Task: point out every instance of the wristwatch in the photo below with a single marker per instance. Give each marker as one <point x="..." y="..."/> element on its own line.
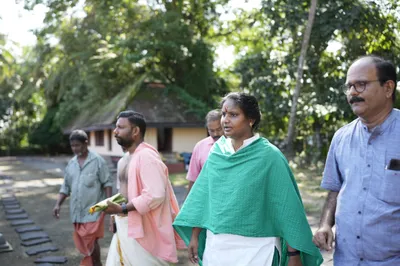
<point x="124" y="209"/>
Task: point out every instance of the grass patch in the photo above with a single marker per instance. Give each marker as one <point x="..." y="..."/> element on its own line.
<point x="312" y="208"/>
<point x="308" y="180"/>
<point x="313" y="196"/>
<point x="178" y="179"/>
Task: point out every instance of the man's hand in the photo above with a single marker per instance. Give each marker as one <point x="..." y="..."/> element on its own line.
<point x="60" y="200"/>
<point x="56" y="211"/>
<point x="113" y="208"/>
<point x="323" y="238"/>
<point x="193" y="250"/>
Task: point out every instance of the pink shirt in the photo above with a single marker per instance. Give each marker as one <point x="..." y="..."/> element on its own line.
<point x="150" y="191"/>
<point x="199" y="157"/>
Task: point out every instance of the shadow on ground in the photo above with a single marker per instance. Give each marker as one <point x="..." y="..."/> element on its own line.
<point x="37" y="191"/>
<point x="36" y="183"/>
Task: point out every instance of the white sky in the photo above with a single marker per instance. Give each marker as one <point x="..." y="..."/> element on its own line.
<point x="226" y="54"/>
<point x="17" y="24"/>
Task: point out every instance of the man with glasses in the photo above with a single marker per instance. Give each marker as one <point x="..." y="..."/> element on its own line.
<point x="362" y="172"/>
<point x="203" y="147"/>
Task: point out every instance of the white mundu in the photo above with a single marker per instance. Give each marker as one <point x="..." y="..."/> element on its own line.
<point x="228" y="249"/>
<point x="127" y="250"/>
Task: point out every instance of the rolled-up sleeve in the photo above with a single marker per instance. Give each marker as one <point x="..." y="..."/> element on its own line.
<point x="153" y="177"/>
<point x="332" y="179"/>
<point x="104" y="174"/>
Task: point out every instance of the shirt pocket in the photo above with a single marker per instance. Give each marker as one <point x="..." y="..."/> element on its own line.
<point x="391" y="182"/>
<point x="89" y="179"/>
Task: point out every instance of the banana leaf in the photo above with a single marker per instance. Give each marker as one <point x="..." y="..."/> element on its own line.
<point x="102" y="205"/>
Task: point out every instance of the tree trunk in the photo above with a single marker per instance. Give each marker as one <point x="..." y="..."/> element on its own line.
<point x="289" y="147"/>
<point x="318" y="143"/>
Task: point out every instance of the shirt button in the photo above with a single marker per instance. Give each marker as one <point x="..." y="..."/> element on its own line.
<point x="369" y="165"/>
<point x="364" y="188"/>
<point x="359" y="212"/>
<point x="361" y="259"/>
<point x="358" y="237"/>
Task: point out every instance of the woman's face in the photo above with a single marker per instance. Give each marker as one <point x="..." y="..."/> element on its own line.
<point x="234" y="122"/>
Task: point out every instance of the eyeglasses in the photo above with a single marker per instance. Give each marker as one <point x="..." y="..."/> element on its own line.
<point x="359" y="86"/>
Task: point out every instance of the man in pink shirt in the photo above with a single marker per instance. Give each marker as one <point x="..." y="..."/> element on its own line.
<point x="203" y="147"/>
<point x="144" y="234"/>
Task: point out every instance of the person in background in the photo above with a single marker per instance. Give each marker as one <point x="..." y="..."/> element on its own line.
<point x="203" y="147"/>
<point x="87" y="180"/>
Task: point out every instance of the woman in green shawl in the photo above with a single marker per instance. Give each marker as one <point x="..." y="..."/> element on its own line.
<point x="245" y="207"/>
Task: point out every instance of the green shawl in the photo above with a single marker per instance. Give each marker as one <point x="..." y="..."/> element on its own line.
<point x="250" y="193"/>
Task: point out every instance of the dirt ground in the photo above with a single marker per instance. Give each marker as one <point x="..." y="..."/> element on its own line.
<point x="36" y="188"/>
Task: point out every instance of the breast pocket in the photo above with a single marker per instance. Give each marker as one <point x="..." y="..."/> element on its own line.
<point x="390" y="187"/>
<point x="89" y="179"/>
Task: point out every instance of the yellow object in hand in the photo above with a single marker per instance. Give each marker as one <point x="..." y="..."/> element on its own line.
<point x="102" y="205"/>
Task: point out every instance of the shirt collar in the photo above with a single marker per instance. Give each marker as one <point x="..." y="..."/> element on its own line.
<point x="382" y="127"/>
<point x="248" y="141"/>
<point x="211" y="141"/>
<point x="88" y="158"/>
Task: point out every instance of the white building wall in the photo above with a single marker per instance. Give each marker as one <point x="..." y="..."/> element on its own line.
<point x="116" y="150"/>
<point x="151" y="137"/>
<point x="184" y="139"/>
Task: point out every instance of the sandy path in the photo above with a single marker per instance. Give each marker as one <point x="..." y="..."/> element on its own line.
<point x="36" y="183"/>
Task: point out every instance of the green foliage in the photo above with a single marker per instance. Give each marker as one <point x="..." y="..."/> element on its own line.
<point x="194" y="105"/>
<point x="114" y="44"/>
<point x="268" y="67"/>
<point x="47" y="134"/>
<point x="17" y="117"/>
<point x="81" y="62"/>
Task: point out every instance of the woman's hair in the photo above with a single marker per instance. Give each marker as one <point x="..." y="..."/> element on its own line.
<point x="247" y="103"/>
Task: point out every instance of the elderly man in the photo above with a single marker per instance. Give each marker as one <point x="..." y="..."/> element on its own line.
<point x="203" y="147"/>
<point x="362" y="172"/>
<point x="87" y="179"/>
